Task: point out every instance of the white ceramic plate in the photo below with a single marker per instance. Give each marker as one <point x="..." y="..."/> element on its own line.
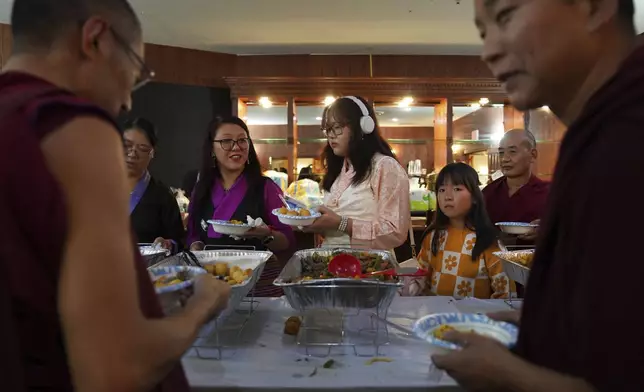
<point x="225" y="227"/>
<point x="517" y="228"/>
<point x="424" y="328"/>
<point x="298" y="221"/>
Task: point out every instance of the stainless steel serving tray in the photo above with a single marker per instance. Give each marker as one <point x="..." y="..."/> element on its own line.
<point x="515" y="271"/>
<point x="335" y="292"/>
<point x="152" y="255"/>
<point x="255" y="260"/>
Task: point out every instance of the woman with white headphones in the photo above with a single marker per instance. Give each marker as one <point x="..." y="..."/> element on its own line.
<point x="367" y="191"/>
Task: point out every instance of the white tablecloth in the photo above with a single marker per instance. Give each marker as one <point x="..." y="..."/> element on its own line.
<point x="263" y="358"/>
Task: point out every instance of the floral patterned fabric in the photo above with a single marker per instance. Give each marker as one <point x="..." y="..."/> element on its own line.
<point x="454" y="273"/>
<point x="379" y="206"/>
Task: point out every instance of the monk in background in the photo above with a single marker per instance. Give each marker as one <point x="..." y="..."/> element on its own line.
<point x="518" y="196"/>
<point x="581" y="320"/>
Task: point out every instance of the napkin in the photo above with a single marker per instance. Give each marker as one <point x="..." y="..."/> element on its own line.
<point x="252" y="223"/>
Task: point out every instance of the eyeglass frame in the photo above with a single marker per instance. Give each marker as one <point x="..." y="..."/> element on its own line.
<point x="146" y="74"/>
<point x="235" y="142"/>
<point x="136" y="148"/>
<point x="330" y="130"/>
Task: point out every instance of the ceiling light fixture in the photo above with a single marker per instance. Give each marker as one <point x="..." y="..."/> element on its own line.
<point x="484" y="101"/>
<point x="329" y="100"/>
<point x="394" y="119"/>
<point x="318" y="118"/>
<point x="405" y="102"/>
<point x="265" y="102"/>
<point x="475" y="105"/>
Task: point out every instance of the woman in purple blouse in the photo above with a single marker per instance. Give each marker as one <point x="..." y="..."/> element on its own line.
<point x="231" y="187"/>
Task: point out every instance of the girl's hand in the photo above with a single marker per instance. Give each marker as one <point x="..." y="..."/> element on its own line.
<point x="165" y="244"/>
<point x="329" y="221"/>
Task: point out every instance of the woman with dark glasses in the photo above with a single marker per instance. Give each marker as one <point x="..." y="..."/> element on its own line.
<point x="231" y="186"/>
<point x="154" y="211"/>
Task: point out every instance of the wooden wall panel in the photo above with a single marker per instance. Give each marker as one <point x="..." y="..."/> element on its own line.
<point x="486" y="120"/>
<point x="430" y="66"/>
<point x="6" y="43"/>
<point x="450" y="74"/>
<point x="512" y="118"/>
<point x="187" y="66"/>
<point x="302" y="66"/>
<point x="549" y="131"/>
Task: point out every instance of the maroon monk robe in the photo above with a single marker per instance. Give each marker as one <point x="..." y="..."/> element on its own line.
<point x="525" y="205"/>
<point x="33" y="220"/>
<point x="583" y="310"/>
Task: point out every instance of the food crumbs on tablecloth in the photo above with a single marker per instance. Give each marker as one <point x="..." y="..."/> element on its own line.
<point x="378" y="359"/>
<point x="329" y="364"/>
<point x="314" y="372"/>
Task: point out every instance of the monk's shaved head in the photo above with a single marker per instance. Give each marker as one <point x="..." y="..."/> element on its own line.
<point x="519" y="137"/>
<point x="37" y="24"/>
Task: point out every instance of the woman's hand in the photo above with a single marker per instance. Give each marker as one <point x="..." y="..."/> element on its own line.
<point x="261" y="231"/>
<point x="329" y="221"/>
<point x="197" y="246"/>
<point x="165" y="244"/>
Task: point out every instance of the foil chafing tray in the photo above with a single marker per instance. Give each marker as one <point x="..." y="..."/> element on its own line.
<point x="152" y="255"/>
<point x="346" y="293"/>
<point x="515" y="271"/>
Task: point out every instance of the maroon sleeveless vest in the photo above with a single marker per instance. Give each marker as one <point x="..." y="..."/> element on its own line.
<point x="33" y="226"/>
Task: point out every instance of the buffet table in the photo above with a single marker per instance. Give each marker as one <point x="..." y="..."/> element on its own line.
<point x="263" y="358"/>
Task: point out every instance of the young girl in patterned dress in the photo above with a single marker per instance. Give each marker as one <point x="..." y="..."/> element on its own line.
<point x="457" y="248"/>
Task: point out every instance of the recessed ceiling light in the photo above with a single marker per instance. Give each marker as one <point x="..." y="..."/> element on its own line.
<point x="319" y="118"/>
<point x="329" y="100"/>
<point x="394" y="119"/>
<point x="484" y="101"/>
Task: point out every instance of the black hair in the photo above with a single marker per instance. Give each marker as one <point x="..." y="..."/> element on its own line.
<point x="362" y="146"/>
<point x="210" y="170"/>
<point x="477" y="218"/>
<point x="306" y="173"/>
<point x="39" y="23"/>
<point x="145" y="126"/>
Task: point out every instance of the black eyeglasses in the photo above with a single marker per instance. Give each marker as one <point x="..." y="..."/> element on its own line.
<point x="145" y="73"/>
<point x="335" y="130"/>
<point x="142" y="148"/>
<point x="229" y="144"/>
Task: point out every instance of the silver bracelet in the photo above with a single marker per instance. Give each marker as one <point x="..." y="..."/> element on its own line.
<point x="344" y="221"/>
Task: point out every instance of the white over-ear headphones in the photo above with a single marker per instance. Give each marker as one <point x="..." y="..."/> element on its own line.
<point x="366" y="122"/>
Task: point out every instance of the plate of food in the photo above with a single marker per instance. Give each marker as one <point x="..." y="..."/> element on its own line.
<point x="517" y="228"/>
<point x="298" y="217"/>
<point x="173" y="278"/>
<point x="432" y="328"/>
<point x="230" y="227"/>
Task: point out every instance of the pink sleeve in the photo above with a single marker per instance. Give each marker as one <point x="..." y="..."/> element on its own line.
<point x="272" y="201"/>
<point x="391" y="187"/>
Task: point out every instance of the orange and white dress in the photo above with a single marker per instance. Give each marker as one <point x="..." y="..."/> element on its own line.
<point x="454" y="273"/>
